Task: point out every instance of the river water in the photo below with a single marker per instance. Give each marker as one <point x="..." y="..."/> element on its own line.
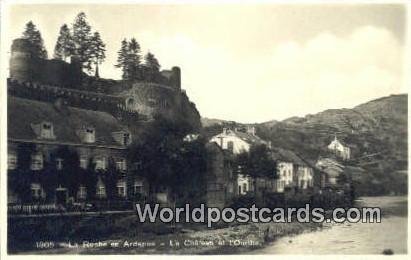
<point x="354" y="238"/>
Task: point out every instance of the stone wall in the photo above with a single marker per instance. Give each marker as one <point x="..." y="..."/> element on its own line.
<point x="46" y="80"/>
<point x="76" y="98"/>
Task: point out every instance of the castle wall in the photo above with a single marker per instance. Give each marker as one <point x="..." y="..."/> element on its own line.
<point x="46" y="80"/>
<point x="24" y="67"/>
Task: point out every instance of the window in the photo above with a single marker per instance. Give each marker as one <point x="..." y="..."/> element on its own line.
<point x="59" y="164"/>
<point x="83" y="162"/>
<point x="82" y="192"/>
<point x="101" y="163"/>
<point x="137" y="165"/>
<point x="138" y="187"/>
<point x="121" y="189"/>
<point x="244" y="187"/>
<point x="230" y="146"/>
<point x="89" y="136"/>
<point x="126" y="139"/>
<point x="36" y="191"/>
<point x="121" y="165"/>
<point x="36" y="162"/>
<point x="239" y="189"/>
<point x="47" y="130"/>
<point x="101" y="191"/>
<point x="12" y="161"/>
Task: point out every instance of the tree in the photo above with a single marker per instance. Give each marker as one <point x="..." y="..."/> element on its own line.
<point x="165" y="160"/>
<point x="82" y="40"/>
<point x="133" y="59"/>
<point x="257" y="162"/>
<point x="152" y="66"/>
<point x="98" y="49"/>
<point x="64" y="46"/>
<point x="129" y="60"/>
<point x="34" y="37"/>
<point x="122" y="59"/>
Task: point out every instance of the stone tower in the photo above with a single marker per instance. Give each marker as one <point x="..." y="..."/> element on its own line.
<point x="21" y="61"/>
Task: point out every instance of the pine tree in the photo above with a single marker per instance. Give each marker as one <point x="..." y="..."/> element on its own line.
<point x="98" y="49"/>
<point x="151" y="62"/>
<point x="34" y="37"/>
<point x="152" y="67"/>
<point x="82" y="39"/>
<point x="64" y="46"/>
<point x="133" y="60"/>
<point x="122" y="59"/>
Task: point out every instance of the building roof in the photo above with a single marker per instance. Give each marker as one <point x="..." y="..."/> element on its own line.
<point x="245" y="136"/>
<point x="330" y="166"/>
<point x="287" y="156"/>
<point x="23" y="113"/>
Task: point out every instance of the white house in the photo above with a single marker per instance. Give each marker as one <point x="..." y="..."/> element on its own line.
<point x="305" y="177"/>
<point x="237" y="141"/>
<point x="292" y="171"/>
<point x="284" y="175"/>
<point x="341" y="150"/>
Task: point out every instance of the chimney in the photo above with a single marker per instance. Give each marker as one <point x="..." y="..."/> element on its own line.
<point x="225" y="130"/>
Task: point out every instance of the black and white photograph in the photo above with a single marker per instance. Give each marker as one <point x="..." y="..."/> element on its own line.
<point x="204" y="128"/>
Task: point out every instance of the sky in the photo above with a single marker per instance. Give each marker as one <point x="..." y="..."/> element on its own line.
<point x="250" y="62"/>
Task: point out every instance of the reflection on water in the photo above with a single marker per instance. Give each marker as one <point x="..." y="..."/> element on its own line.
<point x="355" y="238"/>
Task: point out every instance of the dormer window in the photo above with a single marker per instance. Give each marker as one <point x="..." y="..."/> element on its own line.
<point x="47" y="130"/>
<point x="87" y="134"/>
<point x="90" y="136"/>
<point x="44" y="130"/>
<point x="122" y="137"/>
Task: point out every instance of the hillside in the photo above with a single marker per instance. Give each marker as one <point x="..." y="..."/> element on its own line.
<point x="206" y="122"/>
<point x="377" y="127"/>
<point x="376" y="131"/>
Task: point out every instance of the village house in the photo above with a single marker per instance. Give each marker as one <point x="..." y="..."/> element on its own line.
<point x="292" y="171"/>
<point x="98" y="139"/>
<point x="332" y="168"/>
<point x="220" y="182"/>
<point x="340" y="149"/>
<point x="285" y="169"/>
<point x="237" y="141"/>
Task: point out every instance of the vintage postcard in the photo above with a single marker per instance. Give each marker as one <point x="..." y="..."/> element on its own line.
<point x="233" y="128"/>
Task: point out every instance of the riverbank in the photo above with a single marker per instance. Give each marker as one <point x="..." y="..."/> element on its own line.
<point x="353" y="238"/>
<point x="196" y="239"/>
<point x="126" y="236"/>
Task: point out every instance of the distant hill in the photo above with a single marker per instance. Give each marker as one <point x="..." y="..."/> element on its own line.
<point x="378" y="126"/>
<point x="206" y="122"/>
<point x="376" y="131"/>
